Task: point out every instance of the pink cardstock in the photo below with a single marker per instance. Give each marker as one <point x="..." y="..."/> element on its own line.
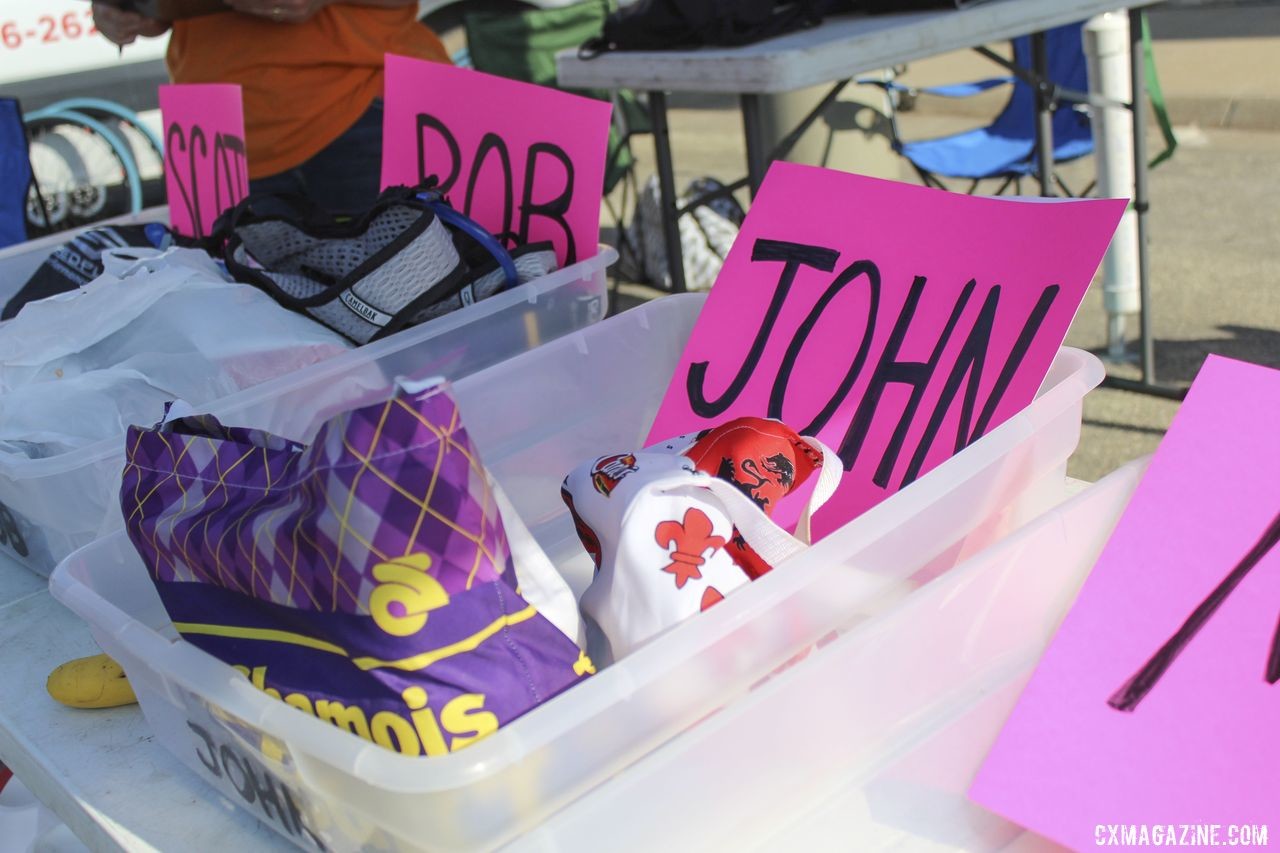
<point x="205" y="167"/>
<point x="894" y="322"/>
<point x="1198" y="745"/>
<point x="522" y="160"/>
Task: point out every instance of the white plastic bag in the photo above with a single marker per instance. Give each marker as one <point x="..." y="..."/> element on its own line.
<point x="539" y="582"/>
<point x="156" y="326"/>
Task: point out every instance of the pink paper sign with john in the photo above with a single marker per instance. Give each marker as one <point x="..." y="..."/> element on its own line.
<point x="1154" y="709"/>
<point x="206" y="170"/>
<point x="894" y="322"/>
<point x="525" y="161"/>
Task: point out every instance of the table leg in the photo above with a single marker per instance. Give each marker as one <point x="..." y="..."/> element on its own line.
<point x="1138" y="105"/>
<point x="1137" y="72"/>
<point x="1044" y="113"/>
<point x="757" y="157"/>
<point x="667" y="186"/>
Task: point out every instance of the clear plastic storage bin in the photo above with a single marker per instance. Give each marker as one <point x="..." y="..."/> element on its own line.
<point x="51" y="506"/>
<point x="533" y="418"/>
<point x="870" y="742"/>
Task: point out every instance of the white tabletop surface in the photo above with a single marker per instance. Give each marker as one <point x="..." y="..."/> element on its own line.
<point x="99" y="770"/>
<point x="836" y="50"/>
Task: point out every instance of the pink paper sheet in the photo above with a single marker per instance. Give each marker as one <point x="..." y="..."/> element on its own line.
<point x="521" y="159"/>
<point x="1200" y="747"/>
<point x="1014" y="271"/>
<point x="205" y="168"/>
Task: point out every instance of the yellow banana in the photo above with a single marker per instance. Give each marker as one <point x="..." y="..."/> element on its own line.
<point x="92" y="682"/>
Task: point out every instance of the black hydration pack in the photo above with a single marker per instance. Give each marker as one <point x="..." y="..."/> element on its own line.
<point x="678" y="24"/>
<point x="670" y="24"/>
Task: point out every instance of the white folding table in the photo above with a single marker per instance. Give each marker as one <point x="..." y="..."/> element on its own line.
<point x="100" y="771"/>
<point x="845" y="46"/>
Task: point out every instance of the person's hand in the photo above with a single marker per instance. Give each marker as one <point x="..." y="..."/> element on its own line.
<point x="280" y="11"/>
<point x="121" y="27"/>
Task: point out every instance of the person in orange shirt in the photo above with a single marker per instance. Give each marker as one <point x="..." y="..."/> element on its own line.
<point x="311" y="72"/>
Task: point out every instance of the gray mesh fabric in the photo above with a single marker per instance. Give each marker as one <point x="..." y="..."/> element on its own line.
<point x="288" y="256"/>
<point x="283" y="247"/>
<point x="298" y="286"/>
<point x="343" y="320"/>
<point x="304" y="266"/>
<point x="529" y="266"/>
<point x="411" y="272"/>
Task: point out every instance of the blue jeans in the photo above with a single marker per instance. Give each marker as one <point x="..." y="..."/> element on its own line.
<point x="344" y="177"/>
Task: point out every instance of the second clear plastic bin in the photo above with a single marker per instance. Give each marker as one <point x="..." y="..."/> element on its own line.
<point x="872" y="740"/>
<point x="532" y="419"/>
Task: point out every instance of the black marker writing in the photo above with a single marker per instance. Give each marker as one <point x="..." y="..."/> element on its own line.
<point x="444" y="184"/>
<point x="275" y="799"/>
<point x="856" y="270"/>
<point x="889" y="369"/>
<point x="493" y="158"/>
<point x="492" y="143"/>
<point x="972" y="358"/>
<point x="186" y="153"/>
<point x="175" y="143"/>
<point x="553" y="208"/>
<point x="1140" y="684"/>
<point x="792" y="256"/>
<point x="229" y="171"/>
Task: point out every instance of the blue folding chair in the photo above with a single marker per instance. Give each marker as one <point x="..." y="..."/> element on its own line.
<point x="1006" y="148"/>
<point x="15" y="174"/>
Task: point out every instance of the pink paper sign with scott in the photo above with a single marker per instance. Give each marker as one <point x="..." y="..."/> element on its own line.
<point x="206" y="169"/>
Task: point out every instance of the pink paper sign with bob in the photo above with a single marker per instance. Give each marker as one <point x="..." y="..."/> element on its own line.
<point x="206" y="169"/>
<point x="896" y="323"/>
<point x="527" y="162"/>
<point x="1154" y="709"/>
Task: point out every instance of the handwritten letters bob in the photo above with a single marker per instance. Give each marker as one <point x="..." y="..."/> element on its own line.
<point x="527" y="162"/>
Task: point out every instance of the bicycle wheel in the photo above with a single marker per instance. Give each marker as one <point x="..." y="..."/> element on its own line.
<point x="83" y="171"/>
<point x="143" y="142"/>
<point x="146" y="153"/>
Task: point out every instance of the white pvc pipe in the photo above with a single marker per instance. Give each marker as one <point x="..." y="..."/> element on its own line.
<point x="1106" y="44"/>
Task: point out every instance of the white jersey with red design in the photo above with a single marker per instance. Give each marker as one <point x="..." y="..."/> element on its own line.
<point x="658" y="540"/>
<point x="668" y="527"/>
<point x="763" y="458"/>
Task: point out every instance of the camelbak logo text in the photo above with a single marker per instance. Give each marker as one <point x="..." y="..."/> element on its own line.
<point x="364" y="309"/>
